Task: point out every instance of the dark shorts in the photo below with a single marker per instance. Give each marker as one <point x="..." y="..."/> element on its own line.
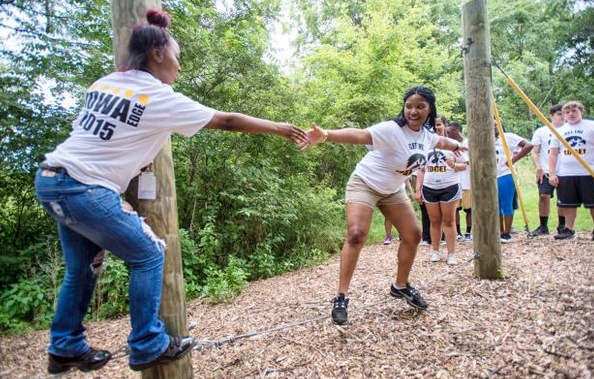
<point x="442" y="195"/>
<point x="545" y="188"/>
<point x="574" y="191"/>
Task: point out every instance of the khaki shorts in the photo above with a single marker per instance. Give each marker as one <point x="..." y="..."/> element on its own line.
<point x="466" y="201"/>
<point x="357" y="191"/>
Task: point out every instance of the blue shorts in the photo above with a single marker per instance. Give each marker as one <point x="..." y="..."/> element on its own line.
<point x="506" y="191"/>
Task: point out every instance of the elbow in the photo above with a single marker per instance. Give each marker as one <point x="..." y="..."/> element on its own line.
<point x="225" y="121"/>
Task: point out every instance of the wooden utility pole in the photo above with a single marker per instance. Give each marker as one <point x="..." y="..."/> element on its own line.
<point x="477" y="82"/>
<point x="161" y="213"/>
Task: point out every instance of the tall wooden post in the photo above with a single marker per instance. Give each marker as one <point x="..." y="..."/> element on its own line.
<point x="477" y="81"/>
<point x="161" y="214"/>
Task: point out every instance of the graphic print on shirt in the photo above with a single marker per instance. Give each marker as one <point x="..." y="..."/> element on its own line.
<point x="413" y="163"/>
<point x="578" y="144"/>
<point x="436" y="161"/>
<point x="115" y="105"/>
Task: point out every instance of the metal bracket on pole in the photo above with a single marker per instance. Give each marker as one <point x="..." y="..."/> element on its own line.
<point x="466" y="48"/>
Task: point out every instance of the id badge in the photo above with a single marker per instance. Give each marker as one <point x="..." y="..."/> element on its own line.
<point x="147" y="186"/>
<point x="438" y="179"/>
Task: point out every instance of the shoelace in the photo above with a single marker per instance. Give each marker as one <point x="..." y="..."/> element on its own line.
<point x="339" y="302"/>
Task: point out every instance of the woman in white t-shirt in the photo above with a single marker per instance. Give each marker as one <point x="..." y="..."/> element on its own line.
<point x="400" y="146"/>
<point x="126" y="118"/>
<point x="438" y="187"/>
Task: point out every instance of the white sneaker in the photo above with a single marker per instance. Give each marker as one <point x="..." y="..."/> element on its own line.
<point x="435" y="256"/>
<point x="452" y="260"/>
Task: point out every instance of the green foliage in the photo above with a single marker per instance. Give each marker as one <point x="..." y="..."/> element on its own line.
<point x="111" y="291"/>
<point x="222" y="285"/>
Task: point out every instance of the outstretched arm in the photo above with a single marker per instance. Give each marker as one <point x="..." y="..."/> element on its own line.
<point x="449" y="144"/>
<point x="347" y="135"/>
<point x="526" y="148"/>
<point x="237" y="122"/>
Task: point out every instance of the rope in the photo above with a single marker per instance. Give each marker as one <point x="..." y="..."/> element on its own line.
<point x="204" y="344"/>
<point x="124" y="351"/>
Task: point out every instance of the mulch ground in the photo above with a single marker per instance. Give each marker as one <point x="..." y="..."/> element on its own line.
<point x="538" y="322"/>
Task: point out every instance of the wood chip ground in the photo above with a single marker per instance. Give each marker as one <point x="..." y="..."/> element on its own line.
<point x="538" y="322"/>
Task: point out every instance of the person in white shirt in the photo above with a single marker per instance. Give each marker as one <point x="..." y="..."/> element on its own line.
<point x="541" y="140"/>
<point x="438" y="187"/>
<point x="574" y="184"/>
<point x="505" y="182"/>
<point x="400" y="146"/>
<point x="126" y="118"/>
<point x="455" y="132"/>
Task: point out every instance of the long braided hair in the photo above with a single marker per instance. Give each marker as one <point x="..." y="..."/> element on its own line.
<point x="428" y="95"/>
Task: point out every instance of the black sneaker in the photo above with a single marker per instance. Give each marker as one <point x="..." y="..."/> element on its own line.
<point x="339" y="310"/>
<point x="410" y="294"/>
<point x="540" y="231"/>
<point x="91" y="360"/>
<point x="565" y="234"/>
<point x="560" y="228"/>
<point x="505" y="238"/>
<point x="592" y="234"/>
<point x="178" y="348"/>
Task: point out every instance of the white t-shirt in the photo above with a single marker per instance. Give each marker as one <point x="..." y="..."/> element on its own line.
<point x="513" y="142"/>
<point x="581" y="138"/>
<point x="438" y="174"/>
<point x="397" y="152"/>
<point x="542" y="137"/>
<point x="465" y="175"/>
<point x="125" y="120"/>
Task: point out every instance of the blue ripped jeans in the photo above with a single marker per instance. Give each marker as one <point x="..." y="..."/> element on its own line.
<point x="90" y="218"/>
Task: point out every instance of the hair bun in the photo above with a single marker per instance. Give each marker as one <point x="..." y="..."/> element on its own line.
<point x="158" y="18"/>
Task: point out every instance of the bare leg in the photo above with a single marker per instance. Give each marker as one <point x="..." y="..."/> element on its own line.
<point x="404" y="218"/>
<point x="507" y="224"/>
<point x="544" y="205"/>
<point x="570" y="216"/>
<point x="435" y="217"/>
<point x="448" y="216"/>
<point x="358" y="223"/>
<point x="388" y="227"/>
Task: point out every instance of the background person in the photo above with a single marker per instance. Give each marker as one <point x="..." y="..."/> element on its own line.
<point x="79" y="185"/>
<point x="455" y="132"/>
<point x="505" y="182"/>
<point x="574" y="184"/>
<point x="541" y="140"/>
<point x="439" y="185"/>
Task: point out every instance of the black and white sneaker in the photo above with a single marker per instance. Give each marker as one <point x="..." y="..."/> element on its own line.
<point x="565" y="234"/>
<point x="339" y="310"/>
<point x="410" y="294"/>
<point x="505" y="238"/>
<point x="540" y="231"/>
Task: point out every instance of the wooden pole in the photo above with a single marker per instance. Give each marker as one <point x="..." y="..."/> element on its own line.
<point x="477" y="81"/>
<point x="161" y="213"/>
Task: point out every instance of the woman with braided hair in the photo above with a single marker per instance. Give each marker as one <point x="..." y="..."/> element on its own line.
<point x="400" y="146"/>
<point x="126" y="118"/>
